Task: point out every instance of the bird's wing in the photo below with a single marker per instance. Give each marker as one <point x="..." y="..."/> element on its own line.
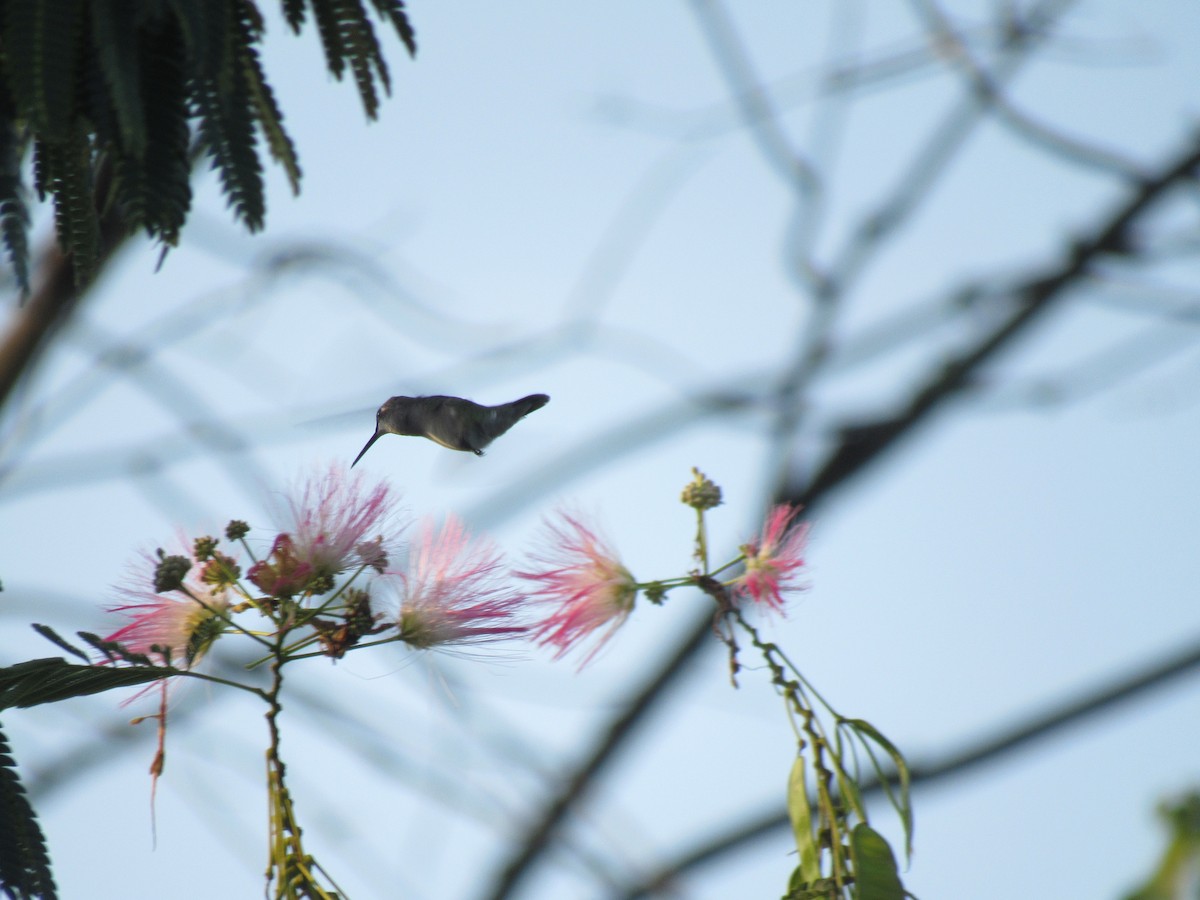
<point x="450" y="423"/>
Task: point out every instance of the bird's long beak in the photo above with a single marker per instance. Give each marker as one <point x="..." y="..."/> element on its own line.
<point x="373" y="439"/>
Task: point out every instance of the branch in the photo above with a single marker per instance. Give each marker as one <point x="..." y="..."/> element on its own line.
<point x="863" y="444"/>
<point x="540" y="836"/>
<point x="56" y="298"/>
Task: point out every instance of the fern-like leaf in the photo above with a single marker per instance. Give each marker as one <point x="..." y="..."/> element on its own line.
<point x="393" y="11"/>
<point x="24" y="863"/>
<point x="39" y="40"/>
<point x="326" y="13"/>
<point x="270" y="119"/>
<point x="204" y="28"/>
<point x="293" y="11"/>
<point x="349" y="38"/>
<point x="51" y="679"/>
<point x="363" y="52"/>
<point x="221" y="99"/>
<point x="154" y="189"/>
<point x="114" y="41"/>
<point x="43" y="170"/>
<point x="74" y="202"/>
<point x="14" y="213"/>
<point x="58" y="640"/>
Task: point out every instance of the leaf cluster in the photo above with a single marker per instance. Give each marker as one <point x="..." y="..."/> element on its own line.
<point x="24" y="861"/>
<point x="113" y="99"/>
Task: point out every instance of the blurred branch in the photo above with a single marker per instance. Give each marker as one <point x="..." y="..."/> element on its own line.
<point x="1123" y="360"/>
<point x="755" y="104"/>
<point x="541" y="835"/>
<point x="861" y="447"/>
<point x="1035" y="727"/>
<point x="990" y="91"/>
<point x="931" y="162"/>
<point x="56" y="298"/>
<point x="863" y="444"/>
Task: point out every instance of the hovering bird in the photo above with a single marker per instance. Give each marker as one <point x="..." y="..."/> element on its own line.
<point x="450" y="421"/>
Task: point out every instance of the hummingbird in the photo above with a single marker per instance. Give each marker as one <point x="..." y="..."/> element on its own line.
<point x="450" y="421"/>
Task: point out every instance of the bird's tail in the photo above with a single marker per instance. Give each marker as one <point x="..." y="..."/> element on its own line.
<point x="498" y="419"/>
<point x="519" y="409"/>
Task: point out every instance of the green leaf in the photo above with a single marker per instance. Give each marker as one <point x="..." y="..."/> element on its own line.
<point x="14" y="213"/>
<point x="348" y="37"/>
<point x="293" y="11"/>
<point x="114" y="38"/>
<point x="75" y="203"/>
<point x="903" y="803"/>
<point x="39" y="43"/>
<point x="326" y="13"/>
<point x="800" y="812"/>
<point x="24" y="862"/>
<point x="847" y="783"/>
<point x="875" y="873"/>
<point x="154" y="189"/>
<point x="270" y="119"/>
<point x="362" y="49"/>
<point x="222" y="98"/>
<point x="393" y="10"/>
<point x="52" y="679"/>
<point x="54" y="637"/>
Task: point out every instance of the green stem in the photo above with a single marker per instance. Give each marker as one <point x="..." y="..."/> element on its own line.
<point x="388" y="640"/>
<point x="258" y="692"/>
<point x="289" y="868"/>
<point x="701" y="541"/>
<point x="222" y="614"/>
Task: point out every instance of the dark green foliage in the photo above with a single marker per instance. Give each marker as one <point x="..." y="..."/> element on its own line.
<point x="225" y="111"/>
<point x="152" y="189"/>
<point x="24" y="863"/>
<point x="394" y="11"/>
<point x="14" y="215"/>
<point x="120" y="88"/>
<point x="52" y="679"/>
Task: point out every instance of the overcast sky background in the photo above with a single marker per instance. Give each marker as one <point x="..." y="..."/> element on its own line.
<point x="560" y="198"/>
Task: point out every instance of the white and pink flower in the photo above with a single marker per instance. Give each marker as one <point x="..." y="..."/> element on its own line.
<point x="455" y="591"/>
<point x="182" y="623"/>
<point x="330" y="514"/>
<point x="584" y="580"/>
<point x="773" y="559"/>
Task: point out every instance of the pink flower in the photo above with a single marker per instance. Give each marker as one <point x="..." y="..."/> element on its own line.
<point x="185" y="624"/>
<point x="281" y="574"/>
<point x="454" y="591"/>
<point x="329" y="515"/>
<point x="773" y="559"/>
<point x="588" y="584"/>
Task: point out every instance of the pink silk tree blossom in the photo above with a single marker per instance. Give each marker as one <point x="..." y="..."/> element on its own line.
<point x="330" y="514"/>
<point x="455" y="591"/>
<point x="773" y="559"/>
<point x="589" y="588"/>
<point x="184" y="622"/>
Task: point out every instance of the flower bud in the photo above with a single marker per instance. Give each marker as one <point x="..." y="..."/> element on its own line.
<point x="168" y="574"/>
<point x="236" y="530"/>
<point x="204" y="548"/>
<point x="701" y="493"/>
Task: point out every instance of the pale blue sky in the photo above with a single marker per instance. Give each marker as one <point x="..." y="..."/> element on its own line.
<point x="546" y="159"/>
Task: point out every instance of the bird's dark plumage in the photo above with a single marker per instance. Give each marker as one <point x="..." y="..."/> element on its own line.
<point x="450" y="421"/>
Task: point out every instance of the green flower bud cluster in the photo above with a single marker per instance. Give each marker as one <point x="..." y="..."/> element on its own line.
<point x="701" y="493"/>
